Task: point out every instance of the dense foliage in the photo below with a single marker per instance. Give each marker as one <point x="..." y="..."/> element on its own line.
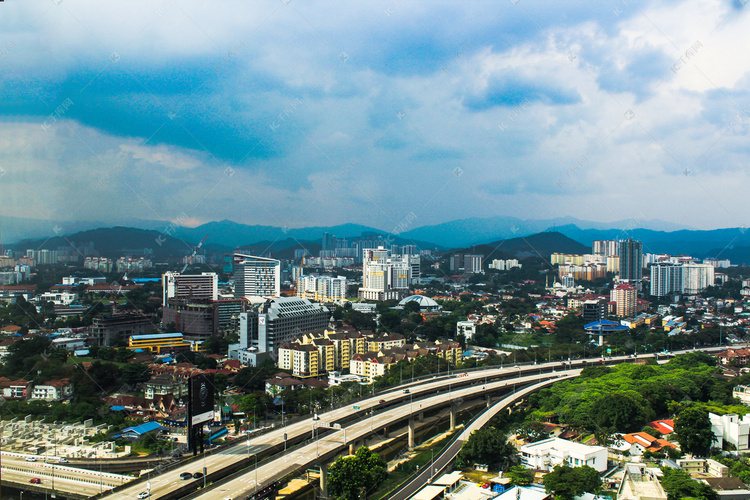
<point x="679" y="485"/>
<point x="355" y="476"/>
<point x="488" y="446"/>
<point x="623" y="398"/>
<point x="568" y="482"/>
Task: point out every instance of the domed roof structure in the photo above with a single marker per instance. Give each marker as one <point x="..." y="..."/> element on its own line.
<point x="425" y="303"/>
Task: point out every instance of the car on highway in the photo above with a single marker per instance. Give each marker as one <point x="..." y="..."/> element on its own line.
<point x="143" y="494"/>
<point x="197" y="475"/>
<point x="406" y="391"/>
<point x="185" y="476"/>
<point x="63" y="461"/>
<point x="31" y="459"/>
<point x="35" y="480"/>
<point x="381" y="401"/>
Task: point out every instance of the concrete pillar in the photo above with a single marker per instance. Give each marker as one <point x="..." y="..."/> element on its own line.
<point x="489" y="401"/>
<point x="453" y="417"/>
<point x="352" y="448"/>
<point x="412" y="444"/>
<point x="385" y="432"/>
<point x="421" y="416"/>
<point x="323" y="482"/>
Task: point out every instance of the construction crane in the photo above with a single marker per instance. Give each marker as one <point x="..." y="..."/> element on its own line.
<point x="192" y="255"/>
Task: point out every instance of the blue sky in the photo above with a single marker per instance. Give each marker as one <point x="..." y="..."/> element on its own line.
<point x="291" y="113"/>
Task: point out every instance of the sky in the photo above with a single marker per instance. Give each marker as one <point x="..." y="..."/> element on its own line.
<point x="388" y="113"/>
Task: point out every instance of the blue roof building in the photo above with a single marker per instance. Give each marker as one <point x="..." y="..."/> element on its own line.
<point x="138" y="432"/>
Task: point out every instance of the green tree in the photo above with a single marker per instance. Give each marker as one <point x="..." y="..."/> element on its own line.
<point x="488" y="446"/>
<point x="568" y="482"/>
<point x="678" y="484"/>
<point x="532" y="431"/>
<point x="135" y="373"/>
<point x="520" y="476"/>
<point x="693" y="429"/>
<point x="355" y="476"/>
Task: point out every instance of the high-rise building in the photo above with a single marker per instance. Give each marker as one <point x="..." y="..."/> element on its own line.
<point x="594" y="310"/>
<point x="329" y="242"/>
<point x="685" y="278"/>
<point x="256" y="278"/>
<point x="189" y="286"/>
<point x="384" y="276"/>
<point x="631" y="261"/>
<point x="666" y="279"/>
<point x="625" y="297"/>
<point x="322" y="288"/>
<point x="607" y="248"/>
<point x="466" y="263"/>
<point x="280" y="320"/>
<point x="696" y="277"/>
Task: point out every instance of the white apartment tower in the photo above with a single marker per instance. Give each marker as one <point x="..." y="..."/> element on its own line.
<point x="256" y="278"/>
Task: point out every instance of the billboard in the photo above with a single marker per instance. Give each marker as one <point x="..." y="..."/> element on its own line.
<point x="201" y="396"/>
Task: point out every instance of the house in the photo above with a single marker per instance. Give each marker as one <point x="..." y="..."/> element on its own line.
<point x="281" y="382"/>
<point x="14" y="389"/>
<point x="641" y="441"/>
<point x="545" y="454"/>
<point x="165" y="384"/>
<point x="665" y="426"/>
<point x="53" y="390"/>
<point x="640" y="482"/>
<point x="10" y="330"/>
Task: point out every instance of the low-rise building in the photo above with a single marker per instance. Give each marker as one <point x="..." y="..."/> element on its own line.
<point x="53" y="390"/>
<point x="732" y="429"/>
<point x="165" y="384"/>
<point x="546" y="454"/>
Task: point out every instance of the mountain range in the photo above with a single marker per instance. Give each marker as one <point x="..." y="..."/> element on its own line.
<point x="657" y="236"/>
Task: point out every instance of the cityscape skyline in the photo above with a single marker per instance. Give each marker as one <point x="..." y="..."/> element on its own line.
<point x="393" y="115"/>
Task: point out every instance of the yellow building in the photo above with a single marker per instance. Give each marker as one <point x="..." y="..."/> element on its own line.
<point x="158" y="342"/>
<point x="302" y="360"/>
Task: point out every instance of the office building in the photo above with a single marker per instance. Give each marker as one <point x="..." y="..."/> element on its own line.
<point x="631" y="262"/>
<point x="280" y="320"/>
<point x="158" y="343"/>
<point x="256" y="278"/>
<point x="328" y="243"/>
<point x="106" y="329"/>
<point x="189" y="286"/>
<point x="384" y="276"/>
<point x="594" y="310"/>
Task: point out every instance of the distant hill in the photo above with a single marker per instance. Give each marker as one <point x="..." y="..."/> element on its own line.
<point x="115" y="242"/>
<point x="731" y="243"/>
<point x="536" y="245"/>
<point x="485" y="230"/>
<point x="234" y="234"/>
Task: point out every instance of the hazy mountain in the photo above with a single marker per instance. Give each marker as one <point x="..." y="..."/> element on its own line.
<point x="478" y="230"/>
<point x="713" y="243"/>
<point x="115" y="242"/>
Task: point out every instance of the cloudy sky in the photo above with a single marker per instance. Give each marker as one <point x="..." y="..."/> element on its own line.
<point x="387" y="113"/>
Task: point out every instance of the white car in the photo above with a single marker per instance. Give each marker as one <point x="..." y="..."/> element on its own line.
<point x="63" y="461"/>
<point x="31" y="459"/>
<point x="143" y="494"/>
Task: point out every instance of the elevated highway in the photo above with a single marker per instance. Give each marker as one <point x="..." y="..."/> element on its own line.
<point x="395" y="404"/>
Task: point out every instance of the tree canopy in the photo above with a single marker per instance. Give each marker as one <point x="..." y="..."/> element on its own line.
<point x="693" y="429"/>
<point x="568" y="482"/>
<point x="355" y="476"/>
